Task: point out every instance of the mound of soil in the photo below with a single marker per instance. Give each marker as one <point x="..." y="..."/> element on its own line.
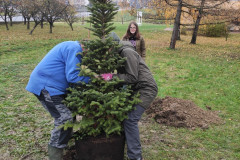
<point x="182" y="113"/>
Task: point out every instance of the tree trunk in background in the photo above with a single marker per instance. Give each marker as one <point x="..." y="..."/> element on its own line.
<point x="10" y="19"/>
<point x="195" y="31"/>
<point x="6" y="23"/>
<point x="197" y="23"/>
<point x="51" y="26"/>
<point x="28" y="23"/>
<point x="71" y="26"/>
<point x="42" y="23"/>
<point x="36" y="23"/>
<point x="5" y="18"/>
<point x="176" y="25"/>
<point x="25" y="20"/>
<point x="179" y="37"/>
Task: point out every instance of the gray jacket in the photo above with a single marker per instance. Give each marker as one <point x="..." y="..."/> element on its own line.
<point x="137" y="74"/>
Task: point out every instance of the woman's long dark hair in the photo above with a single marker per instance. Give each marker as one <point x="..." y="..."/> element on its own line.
<point x="129" y="34"/>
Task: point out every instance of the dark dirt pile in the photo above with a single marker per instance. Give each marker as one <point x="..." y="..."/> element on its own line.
<point x="182" y="113"/>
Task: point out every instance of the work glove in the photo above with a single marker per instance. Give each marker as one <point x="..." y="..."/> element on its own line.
<point x="107" y="76"/>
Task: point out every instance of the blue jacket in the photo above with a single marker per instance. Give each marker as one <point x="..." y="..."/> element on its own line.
<point x="57" y="69"/>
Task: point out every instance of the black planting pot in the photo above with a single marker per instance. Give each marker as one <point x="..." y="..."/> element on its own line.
<point x="100" y="148"/>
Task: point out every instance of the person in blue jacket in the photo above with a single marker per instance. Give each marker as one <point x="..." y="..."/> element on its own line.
<point x="49" y="81"/>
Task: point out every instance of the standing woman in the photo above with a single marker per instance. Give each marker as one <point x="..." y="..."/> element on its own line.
<point x="133" y="35"/>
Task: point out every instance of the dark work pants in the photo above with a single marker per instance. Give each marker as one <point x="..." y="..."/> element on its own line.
<point x="134" y="150"/>
<point x="61" y="114"/>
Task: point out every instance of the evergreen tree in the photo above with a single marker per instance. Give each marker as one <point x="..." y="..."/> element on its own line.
<point x="102" y="104"/>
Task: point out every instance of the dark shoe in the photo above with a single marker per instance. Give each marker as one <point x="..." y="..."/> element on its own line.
<point x="55" y="153"/>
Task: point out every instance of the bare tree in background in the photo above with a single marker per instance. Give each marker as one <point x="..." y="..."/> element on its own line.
<point x="199" y="6"/>
<point x="177" y="23"/>
<point x="211" y="5"/>
<point x="36" y="14"/>
<point x="12" y="10"/>
<point x="69" y="15"/>
<point x="4" y="9"/>
<point x="52" y="11"/>
<point x="21" y="7"/>
<point x="26" y="8"/>
<point x="124" y="5"/>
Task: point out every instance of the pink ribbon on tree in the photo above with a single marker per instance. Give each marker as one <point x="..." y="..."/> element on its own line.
<point x="107" y="76"/>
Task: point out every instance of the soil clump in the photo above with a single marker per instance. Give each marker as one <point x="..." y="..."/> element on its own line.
<point x="182" y="113"/>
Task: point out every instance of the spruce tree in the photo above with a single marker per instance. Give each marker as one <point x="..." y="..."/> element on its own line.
<point x="102" y="104"/>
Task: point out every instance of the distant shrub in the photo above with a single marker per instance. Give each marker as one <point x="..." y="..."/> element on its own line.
<point x="183" y="31"/>
<point x="214" y="30"/>
<point x="154" y="21"/>
<point x="148" y="16"/>
<point x="202" y="30"/>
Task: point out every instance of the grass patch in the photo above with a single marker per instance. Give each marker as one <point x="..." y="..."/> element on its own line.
<point x="206" y="73"/>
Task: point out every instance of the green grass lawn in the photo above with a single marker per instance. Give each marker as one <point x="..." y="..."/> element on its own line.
<point x="206" y="73"/>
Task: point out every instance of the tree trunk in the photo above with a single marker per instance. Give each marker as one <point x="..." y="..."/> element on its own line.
<point x="178" y="35"/>
<point x="122" y="19"/>
<point x="10" y="18"/>
<point x="42" y="23"/>
<point x="71" y="26"/>
<point x="5" y="19"/>
<point x="51" y="26"/>
<point x="6" y="23"/>
<point x="195" y="31"/>
<point x="25" y="20"/>
<point x="176" y="25"/>
<point x="36" y="23"/>
<point x="197" y="23"/>
<point x="28" y="23"/>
